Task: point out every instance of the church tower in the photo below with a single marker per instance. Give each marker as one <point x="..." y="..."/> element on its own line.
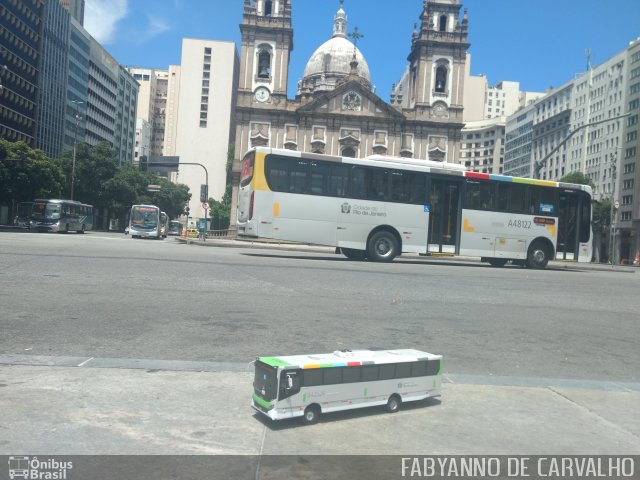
<point x="267" y="42"/>
<point x="433" y="83"/>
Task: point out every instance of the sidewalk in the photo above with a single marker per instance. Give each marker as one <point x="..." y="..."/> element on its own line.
<point x="58" y="410"/>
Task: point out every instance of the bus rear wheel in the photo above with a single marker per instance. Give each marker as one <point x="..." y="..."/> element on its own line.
<point x="353" y="254"/>
<point x="311" y="415"/>
<point x="82" y="229"/>
<point x="538" y="255"/>
<point x="393" y="404"/>
<point x="382" y="247"/>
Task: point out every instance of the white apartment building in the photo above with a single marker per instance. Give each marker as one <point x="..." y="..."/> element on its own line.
<point x="518" y="142"/>
<point x="482" y="145"/>
<point x="205" y="117"/>
<point x="143" y="138"/>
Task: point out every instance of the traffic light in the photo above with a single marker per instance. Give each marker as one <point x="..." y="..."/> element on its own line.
<point x="186" y="211"/>
<point x="204" y="193"/>
<point x="143" y="163"/>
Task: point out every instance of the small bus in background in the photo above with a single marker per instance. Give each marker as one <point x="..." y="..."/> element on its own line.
<point x="145" y="222"/>
<point x="52" y="215"/>
<point x="308" y="385"/>
<point x="175" y="228"/>
<point x="23" y="214"/>
<point x="379" y="207"/>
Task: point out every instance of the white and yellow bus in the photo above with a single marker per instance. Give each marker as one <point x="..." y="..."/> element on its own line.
<point x="379" y="207"/>
<point x="309" y="385"/>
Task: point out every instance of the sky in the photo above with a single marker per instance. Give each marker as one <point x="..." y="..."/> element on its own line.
<point x="539" y="43"/>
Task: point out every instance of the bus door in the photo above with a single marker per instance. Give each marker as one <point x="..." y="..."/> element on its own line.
<point x="570" y="212"/>
<point x="444" y="206"/>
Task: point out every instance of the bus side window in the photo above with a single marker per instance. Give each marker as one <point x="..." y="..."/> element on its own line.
<point x="419" y="369"/>
<point x="370" y="373"/>
<point x="403" y="370"/>
<point x="358" y="183"/>
<point x="350" y="374"/>
<point x="388" y="371"/>
<point x="433" y="367"/>
<point x="289" y="384"/>
<point x="338" y="181"/>
<point x="332" y="376"/>
<point x="312" y="377"/>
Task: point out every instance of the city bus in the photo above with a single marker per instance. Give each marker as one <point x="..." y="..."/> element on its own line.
<point x="175" y="228"/>
<point x="145" y="222"/>
<point x="52" y="215"/>
<point x="308" y="385"/>
<point x="379" y="207"/>
<point x="164" y="225"/>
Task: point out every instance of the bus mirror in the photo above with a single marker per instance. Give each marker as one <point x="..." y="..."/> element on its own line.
<point x="289" y="382"/>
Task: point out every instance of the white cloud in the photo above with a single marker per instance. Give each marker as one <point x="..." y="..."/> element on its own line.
<point x="101" y="18"/>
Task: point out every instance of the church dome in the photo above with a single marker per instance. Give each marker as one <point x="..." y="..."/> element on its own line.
<point x="331" y="62"/>
<point x="334" y="58"/>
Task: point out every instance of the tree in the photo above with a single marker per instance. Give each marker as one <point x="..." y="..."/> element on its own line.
<point x="95" y="165"/>
<point x="578" y="178"/>
<point x="27" y="173"/>
<point x="221" y="210"/>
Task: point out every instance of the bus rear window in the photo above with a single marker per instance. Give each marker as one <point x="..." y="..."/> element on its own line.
<point x="247" y="169"/>
<point x="265" y="383"/>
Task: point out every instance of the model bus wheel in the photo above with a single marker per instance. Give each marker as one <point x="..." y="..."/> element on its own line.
<point x="353" y="254"/>
<point x="66" y="228"/>
<point x="382" y="247"/>
<point x="82" y="229"/>
<point x="538" y="255"/>
<point x="311" y="414"/>
<point x="497" y="262"/>
<point x="393" y="405"/>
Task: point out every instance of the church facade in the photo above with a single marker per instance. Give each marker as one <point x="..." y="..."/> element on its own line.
<point x="335" y="110"/>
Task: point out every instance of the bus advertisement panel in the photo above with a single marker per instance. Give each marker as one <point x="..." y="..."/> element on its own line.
<point x="145" y="222"/>
<point x="51" y="215"/>
<point x="379" y="207"/>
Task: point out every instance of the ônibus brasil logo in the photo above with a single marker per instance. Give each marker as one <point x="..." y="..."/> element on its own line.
<point x="34" y="468"/>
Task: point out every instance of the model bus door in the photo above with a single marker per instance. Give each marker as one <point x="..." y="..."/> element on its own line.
<point x="569" y="214"/>
<point x="444" y="207"/>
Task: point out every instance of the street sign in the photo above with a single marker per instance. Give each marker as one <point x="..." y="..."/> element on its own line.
<point x="153" y="188"/>
<point x="616" y="204"/>
<point x="205" y="205"/>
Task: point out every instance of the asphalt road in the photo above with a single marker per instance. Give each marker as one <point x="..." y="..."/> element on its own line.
<point x="106" y="295"/>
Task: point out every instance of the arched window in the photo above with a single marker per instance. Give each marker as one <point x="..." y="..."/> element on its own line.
<point x="264" y="64"/>
<point x="349" y="152"/>
<point x="443" y="23"/>
<point x="267" y="8"/>
<point x="441" y="79"/>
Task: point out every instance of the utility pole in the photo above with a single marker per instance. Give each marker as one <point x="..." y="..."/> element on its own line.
<point x="614" y="208"/>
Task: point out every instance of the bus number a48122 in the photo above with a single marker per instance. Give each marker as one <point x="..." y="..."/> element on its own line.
<point x="519" y="223"/>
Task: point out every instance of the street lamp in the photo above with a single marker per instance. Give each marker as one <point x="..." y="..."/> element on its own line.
<point x="75" y="139"/>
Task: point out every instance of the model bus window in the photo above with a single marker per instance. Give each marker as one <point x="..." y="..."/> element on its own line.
<point x="247" y="169"/>
<point x="338" y="180"/>
<point x="369" y="183"/>
<point x="351" y="375"/>
<point x="369" y="373"/>
<point x="332" y="376"/>
<point x="313" y="377"/>
<point x="408" y="187"/>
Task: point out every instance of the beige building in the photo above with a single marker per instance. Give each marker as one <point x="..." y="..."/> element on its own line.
<point x="152" y="99"/>
<point x="335" y="110"/>
<point x="202" y="115"/>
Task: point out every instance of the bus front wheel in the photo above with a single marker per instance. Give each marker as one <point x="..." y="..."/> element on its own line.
<point x="538" y="255"/>
<point x="393" y="405"/>
<point x="353" y="254"/>
<point x="382" y="246"/>
<point x="311" y="414"/>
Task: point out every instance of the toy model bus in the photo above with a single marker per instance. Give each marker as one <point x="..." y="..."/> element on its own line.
<point x="308" y="385"/>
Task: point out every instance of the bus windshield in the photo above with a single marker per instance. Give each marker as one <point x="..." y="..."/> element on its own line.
<point x="145" y="217"/>
<point x="46" y="211"/>
<point x="265" y="383"/>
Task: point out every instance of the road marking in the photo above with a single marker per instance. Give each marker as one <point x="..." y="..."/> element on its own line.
<point x="85" y="362"/>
